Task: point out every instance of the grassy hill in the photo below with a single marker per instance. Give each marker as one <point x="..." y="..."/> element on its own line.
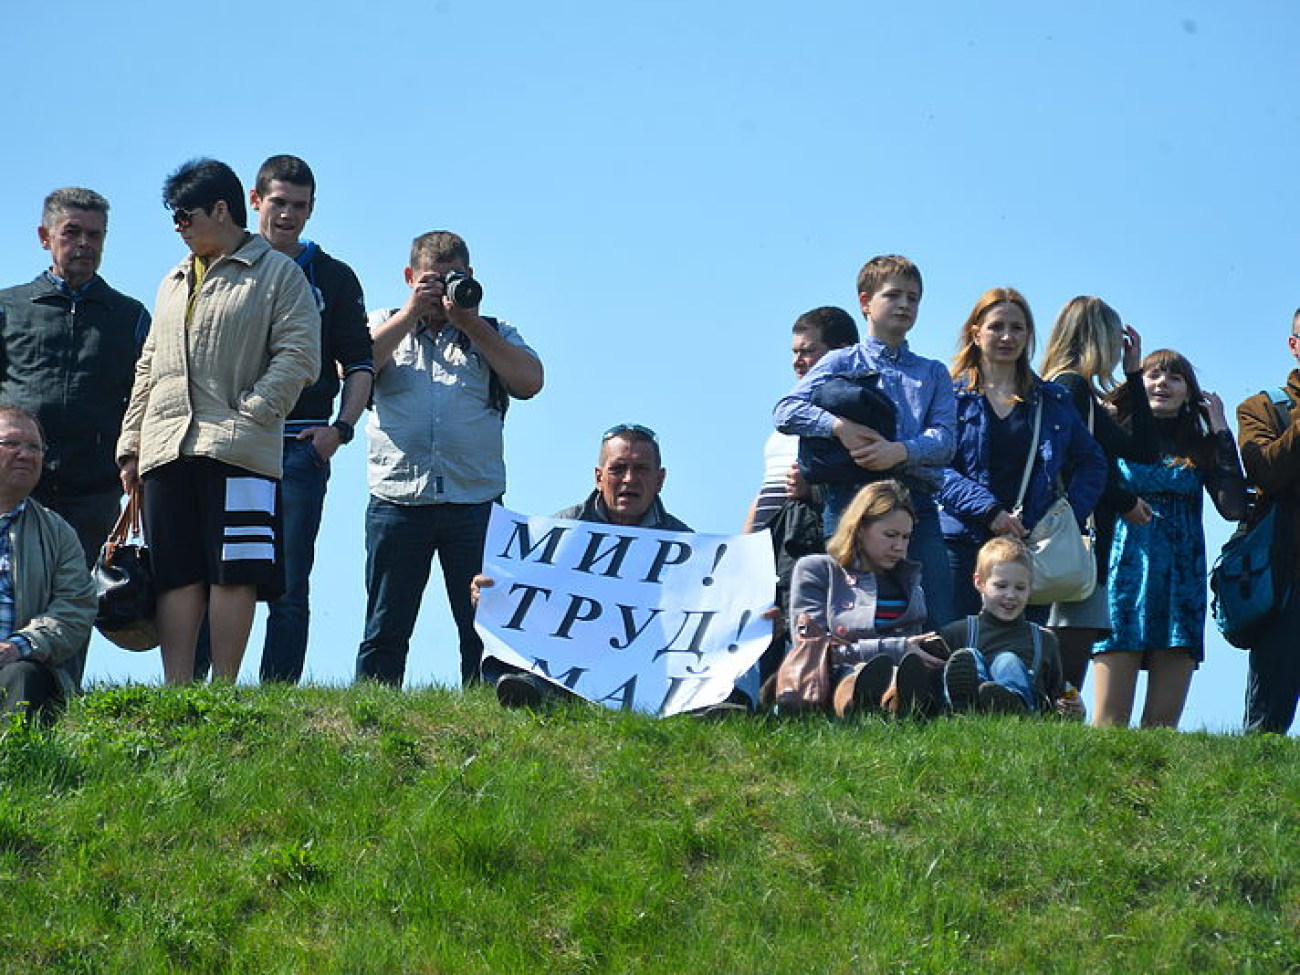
<point x="361" y="830"/>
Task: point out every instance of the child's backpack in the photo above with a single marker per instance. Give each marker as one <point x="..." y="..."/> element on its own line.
<point x="1251" y="578"/>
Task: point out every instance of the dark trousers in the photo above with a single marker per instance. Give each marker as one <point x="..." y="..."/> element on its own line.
<point x="92" y="517"/>
<point x="401" y="541"/>
<point x="30" y="688"/>
<point x="1273" y="681"/>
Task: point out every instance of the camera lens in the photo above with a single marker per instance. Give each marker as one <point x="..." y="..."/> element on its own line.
<point x="463" y="291"/>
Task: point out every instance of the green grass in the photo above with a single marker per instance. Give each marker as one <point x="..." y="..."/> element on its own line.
<point x="320" y="830"/>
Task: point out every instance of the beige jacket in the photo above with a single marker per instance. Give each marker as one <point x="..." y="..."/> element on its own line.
<point x="221" y="386"/>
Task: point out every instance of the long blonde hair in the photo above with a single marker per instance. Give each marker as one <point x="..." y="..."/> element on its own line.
<point x="1086" y="339"/>
<point x="875" y="501"/>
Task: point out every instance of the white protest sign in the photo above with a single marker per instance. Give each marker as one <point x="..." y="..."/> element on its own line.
<point x="633" y="618"/>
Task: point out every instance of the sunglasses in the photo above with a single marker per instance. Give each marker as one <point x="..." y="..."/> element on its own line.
<point x="183" y="218"/>
<point x="633" y="428"/>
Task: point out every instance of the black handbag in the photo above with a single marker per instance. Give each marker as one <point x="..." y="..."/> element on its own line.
<point x="852" y="396"/>
<point x="124" y="584"/>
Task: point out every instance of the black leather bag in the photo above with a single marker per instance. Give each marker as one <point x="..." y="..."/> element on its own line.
<point x="124" y="584"/>
<point x="852" y="396"/>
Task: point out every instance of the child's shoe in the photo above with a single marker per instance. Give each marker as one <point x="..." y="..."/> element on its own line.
<point x="961" y="679"/>
<point x="996" y="699"/>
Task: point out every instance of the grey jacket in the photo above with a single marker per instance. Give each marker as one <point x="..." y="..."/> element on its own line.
<point x="54" y="598"/>
<point x="844" y="602"/>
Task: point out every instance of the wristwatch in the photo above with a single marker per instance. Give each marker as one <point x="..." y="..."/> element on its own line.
<point x="346" y="432"/>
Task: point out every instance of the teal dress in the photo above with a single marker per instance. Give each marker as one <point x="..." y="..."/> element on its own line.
<point x="1157" y="570"/>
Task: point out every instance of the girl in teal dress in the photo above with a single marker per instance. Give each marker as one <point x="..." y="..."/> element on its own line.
<point x="1157" y="570"/>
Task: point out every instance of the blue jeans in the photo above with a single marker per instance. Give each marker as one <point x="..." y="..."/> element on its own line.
<point x="401" y="541"/>
<point x="302" y="489"/>
<point x="927" y="547"/>
<point x="1010" y="671"/>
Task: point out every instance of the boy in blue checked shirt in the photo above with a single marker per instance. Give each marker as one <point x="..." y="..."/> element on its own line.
<point x="889" y="293"/>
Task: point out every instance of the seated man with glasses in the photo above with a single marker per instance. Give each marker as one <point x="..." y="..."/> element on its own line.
<point x="47" y="601"/>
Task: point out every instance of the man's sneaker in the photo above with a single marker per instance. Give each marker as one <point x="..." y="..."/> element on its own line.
<point x="962" y="680"/>
<point x="996" y="699"/>
<point x="520" y="691"/>
<point x="915" y="687"/>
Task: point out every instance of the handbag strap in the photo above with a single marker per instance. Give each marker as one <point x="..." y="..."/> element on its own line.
<point x="128" y="521"/>
<point x="1029" y="461"/>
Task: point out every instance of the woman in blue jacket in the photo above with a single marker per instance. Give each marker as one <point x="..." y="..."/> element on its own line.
<point x="997" y="397"/>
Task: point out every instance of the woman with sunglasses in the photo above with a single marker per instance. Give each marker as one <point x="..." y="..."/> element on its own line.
<point x="235" y="338"/>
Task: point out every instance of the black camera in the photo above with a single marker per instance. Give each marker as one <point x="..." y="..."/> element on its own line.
<point x="463" y="290"/>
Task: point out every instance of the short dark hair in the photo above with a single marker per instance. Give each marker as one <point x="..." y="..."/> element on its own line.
<point x="287" y="169"/>
<point x="72" y="198"/>
<point x="880" y="269"/>
<point x="438" y="247"/>
<point x="833" y="327"/>
<point x="201" y="183"/>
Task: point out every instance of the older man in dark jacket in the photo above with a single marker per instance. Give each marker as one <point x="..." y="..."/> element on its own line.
<point x="68" y="346"/>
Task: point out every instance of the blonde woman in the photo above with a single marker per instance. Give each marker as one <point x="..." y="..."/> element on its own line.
<point x="1087" y="343"/>
<point x="867" y="595"/>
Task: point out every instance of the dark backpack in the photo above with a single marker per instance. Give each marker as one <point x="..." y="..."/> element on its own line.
<point x="1251" y="578"/>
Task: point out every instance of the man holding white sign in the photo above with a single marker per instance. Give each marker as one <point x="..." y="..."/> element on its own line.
<point x="646" y="617"/>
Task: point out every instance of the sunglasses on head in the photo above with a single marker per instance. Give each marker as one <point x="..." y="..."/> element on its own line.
<point x="633" y="428"/>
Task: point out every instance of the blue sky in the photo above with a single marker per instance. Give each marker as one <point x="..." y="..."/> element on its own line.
<point x="653" y="192"/>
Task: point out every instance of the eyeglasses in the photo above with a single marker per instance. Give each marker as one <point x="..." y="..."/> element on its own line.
<point x="183" y="218"/>
<point x="16" y="446"/>
<point x="633" y="428"/>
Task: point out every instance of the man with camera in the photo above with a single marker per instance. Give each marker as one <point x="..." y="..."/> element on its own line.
<point x="444" y="376"/>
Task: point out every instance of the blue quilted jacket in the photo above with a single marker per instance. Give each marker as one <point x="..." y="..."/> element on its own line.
<point x="1065" y="448"/>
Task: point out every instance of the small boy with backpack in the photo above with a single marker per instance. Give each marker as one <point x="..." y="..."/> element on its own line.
<point x="1005" y="664"/>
